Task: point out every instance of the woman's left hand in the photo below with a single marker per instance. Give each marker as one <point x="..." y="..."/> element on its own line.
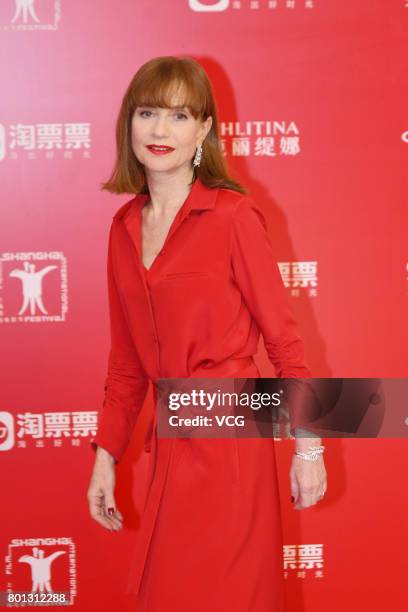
<point x="308" y="481"/>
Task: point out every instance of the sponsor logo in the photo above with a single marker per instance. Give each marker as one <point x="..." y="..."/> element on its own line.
<point x="41" y="565"/>
<point x="259" y="138"/>
<point x="218" y="6"/>
<point x="41" y="429"/>
<point x="299" y="276"/>
<point x="30" y="14"/>
<point x="303" y="560"/>
<point x="45" y="140"/>
<point x="33" y="287"/>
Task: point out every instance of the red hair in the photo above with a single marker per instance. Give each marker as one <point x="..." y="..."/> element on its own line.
<point x="154" y="84"/>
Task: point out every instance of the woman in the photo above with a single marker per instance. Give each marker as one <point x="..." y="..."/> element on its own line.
<point x="192" y="282"/>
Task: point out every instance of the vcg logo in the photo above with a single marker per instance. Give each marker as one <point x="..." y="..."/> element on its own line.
<point x="219" y="5"/>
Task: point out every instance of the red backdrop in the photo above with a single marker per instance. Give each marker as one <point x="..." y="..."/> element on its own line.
<point x="312" y="99"/>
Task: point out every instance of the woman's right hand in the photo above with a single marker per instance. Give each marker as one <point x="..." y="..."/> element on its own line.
<point x="101" y="492"/>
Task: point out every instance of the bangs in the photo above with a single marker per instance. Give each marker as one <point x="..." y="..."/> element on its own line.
<point x="167" y="89"/>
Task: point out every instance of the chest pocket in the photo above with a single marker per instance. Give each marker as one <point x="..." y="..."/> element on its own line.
<point x="185" y="275"/>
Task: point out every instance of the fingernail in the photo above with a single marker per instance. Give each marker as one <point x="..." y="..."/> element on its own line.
<point x="111" y="511"/>
<point x="292" y="499"/>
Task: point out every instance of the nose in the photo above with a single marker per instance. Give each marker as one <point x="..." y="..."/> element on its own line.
<point x="160" y="126"/>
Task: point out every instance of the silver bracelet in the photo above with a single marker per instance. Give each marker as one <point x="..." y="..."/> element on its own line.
<point x="312" y="454"/>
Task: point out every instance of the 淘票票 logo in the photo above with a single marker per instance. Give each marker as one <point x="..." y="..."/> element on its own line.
<point x="45" y="140"/>
<point x="7" y="435"/>
<point x="299" y="277"/>
<point x="30" y="430"/>
<point x="303" y="559"/>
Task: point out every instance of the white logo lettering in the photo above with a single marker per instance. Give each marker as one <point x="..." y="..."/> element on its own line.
<point x="196" y="5"/>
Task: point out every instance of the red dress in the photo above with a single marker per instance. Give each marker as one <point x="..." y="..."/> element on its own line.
<point x="211" y="535"/>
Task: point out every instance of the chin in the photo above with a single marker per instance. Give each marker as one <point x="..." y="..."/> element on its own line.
<point x="159" y="166"/>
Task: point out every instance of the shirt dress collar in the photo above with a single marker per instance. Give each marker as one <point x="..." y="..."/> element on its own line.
<point x="200" y="197"/>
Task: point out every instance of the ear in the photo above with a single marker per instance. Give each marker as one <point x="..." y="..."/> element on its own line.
<point x="206" y="126"/>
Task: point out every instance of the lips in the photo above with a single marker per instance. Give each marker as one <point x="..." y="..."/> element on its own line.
<point x="159" y="148"/>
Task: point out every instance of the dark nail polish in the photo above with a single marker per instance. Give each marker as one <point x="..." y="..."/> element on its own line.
<point x="111" y="511"/>
<point x="292" y="499"/>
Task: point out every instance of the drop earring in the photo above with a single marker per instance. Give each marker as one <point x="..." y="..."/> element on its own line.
<point x="197" y="157"/>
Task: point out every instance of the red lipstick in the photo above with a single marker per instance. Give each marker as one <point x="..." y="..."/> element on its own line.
<point x="159" y="149"/>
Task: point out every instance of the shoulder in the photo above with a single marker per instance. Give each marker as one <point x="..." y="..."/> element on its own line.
<point x="240" y="208"/>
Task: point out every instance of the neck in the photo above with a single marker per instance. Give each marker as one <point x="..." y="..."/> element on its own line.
<point x="168" y="193"/>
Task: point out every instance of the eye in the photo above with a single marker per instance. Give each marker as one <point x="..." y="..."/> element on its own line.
<point x="183" y="115"/>
<point x="144" y="111"/>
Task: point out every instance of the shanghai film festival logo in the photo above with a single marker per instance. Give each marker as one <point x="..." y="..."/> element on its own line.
<point x="41" y="565"/>
<point x="30" y="14"/>
<point x="33" y="287"/>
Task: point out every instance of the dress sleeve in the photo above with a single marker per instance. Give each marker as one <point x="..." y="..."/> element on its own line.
<point x="258" y="277"/>
<point x="126" y="382"/>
